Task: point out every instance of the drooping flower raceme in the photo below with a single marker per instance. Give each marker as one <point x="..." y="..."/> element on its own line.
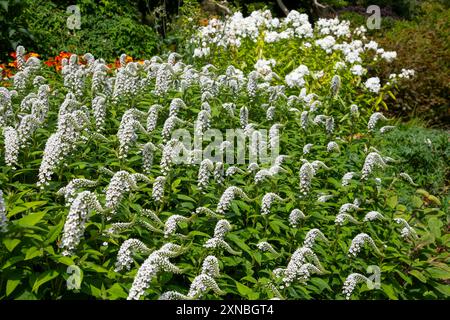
<point x="157" y="262"/>
<point x="358" y="243"/>
<point x="228" y="195"/>
<point x="171" y="224"/>
<point x="351" y="282"/>
<point x="3" y="218"/>
<point x="373" y="160"/>
<point x="267" y="201"/>
<point x="373" y="120"/>
<point x="312" y="236"/>
<point x="70" y="190"/>
<point x="295" y="217"/>
<point x="127" y="249"/>
<point x="79" y="212"/>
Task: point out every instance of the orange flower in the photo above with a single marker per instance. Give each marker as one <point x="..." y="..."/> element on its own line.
<point x="203" y="22"/>
<point x="129" y="59"/>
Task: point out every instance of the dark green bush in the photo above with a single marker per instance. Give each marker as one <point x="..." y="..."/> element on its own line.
<point x="423" y="45"/>
<point x="423" y="153"/>
<point x="12" y="26"/>
<point x="107" y="29"/>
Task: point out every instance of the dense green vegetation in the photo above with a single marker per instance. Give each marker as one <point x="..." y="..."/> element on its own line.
<point x="95" y="203"/>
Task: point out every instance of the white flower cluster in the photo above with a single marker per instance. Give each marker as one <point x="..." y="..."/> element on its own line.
<point x="302" y="264"/>
<point x="295" y="217"/>
<point x="407" y="231"/>
<point x="171" y="224"/>
<point x="157" y="262"/>
<point x="121" y="183"/>
<point x="3" y="218"/>
<point x="311" y="237"/>
<point x="127" y="249"/>
<point x="228" y="195"/>
<point x="80" y="209"/>
<point x="358" y="243"/>
<point x="351" y="282"/>
<point x="267" y="201"/>
<point x="373" y="160"/>
<point x="70" y="190"/>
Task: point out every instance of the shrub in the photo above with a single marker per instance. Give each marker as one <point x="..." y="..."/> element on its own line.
<point x="423" y="45"/>
<point x="106" y="30"/>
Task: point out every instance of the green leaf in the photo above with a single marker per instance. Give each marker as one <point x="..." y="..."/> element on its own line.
<point x="387" y="288"/>
<point x="435" y="226"/>
<point x="43" y="278"/>
<point x="392" y="201"/>
<point x="184" y="197"/>
<point x="10" y="244"/>
<point x="116" y="292"/>
<point x="444" y="289"/>
<point x="31" y="219"/>
<point x="33" y="252"/>
<point x="11" y="285"/>
<point x="418" y="275"/>
<point x="246" y="291"/>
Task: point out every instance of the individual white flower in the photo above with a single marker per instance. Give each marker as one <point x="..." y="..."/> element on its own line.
<point x="386" y="129"/>
<point x="232" y="170"/>
<point x="307" y="173"/>
<point x="358" y="243"/>
<point x="218" y="172"/>
<point x="296" y="77"/>
<point x="408" y="178"/>
<point x="295" y="216"/>
<point x="302" y="263"/>
<point x="222" y="227"/>
<point x="127" y="249"/>
<point x="210" y="266"/>
<point x="335" y="85"/>
<point x="120" y="184"/>
<point x="12" y="146"/>
<point x="307" y="148"/>
<point x="147" y="156"/>
<point x="243" y="116"/>
<point x="333" y="146"/>
<point x="74" y="226"/>
<point x="70" y="190"/>
<point x="348" y="207"/>
<point x="201" y="285"/>
<point x="270" y="113"/>
<point x="99" y="111"/>
<point x="324" y="198"/>
<point x="152" y="117"/>
<point x="354" y="111"/>
<point x="358" y="70"/>
<point x="389" y="56"/>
